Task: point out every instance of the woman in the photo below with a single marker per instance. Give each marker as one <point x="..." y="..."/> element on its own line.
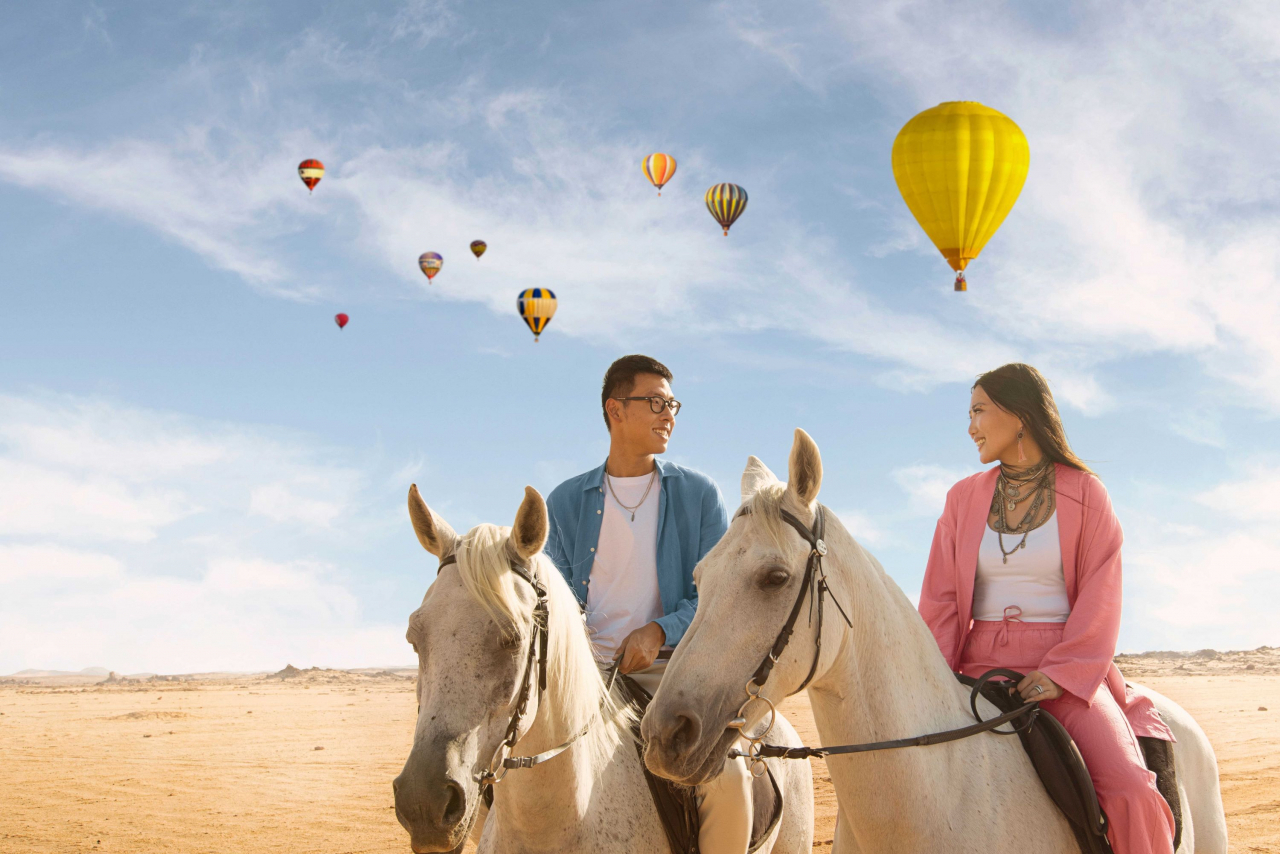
<point x="1024" y="573"/>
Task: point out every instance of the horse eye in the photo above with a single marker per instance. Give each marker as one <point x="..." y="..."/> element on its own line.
<point x="509" y="641"/>
<point x="776" y="577"/>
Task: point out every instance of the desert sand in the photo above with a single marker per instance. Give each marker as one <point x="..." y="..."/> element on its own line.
<point x="304" y="761"/>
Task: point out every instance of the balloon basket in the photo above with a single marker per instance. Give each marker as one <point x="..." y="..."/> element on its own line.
<point x="961" y="284"/>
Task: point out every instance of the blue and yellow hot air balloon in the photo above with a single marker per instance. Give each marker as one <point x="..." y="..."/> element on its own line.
<point x="537" y="306"/>
<point x="659" y="168"/>
<point x="960" y="167"/>
<point x="726" y="203"/>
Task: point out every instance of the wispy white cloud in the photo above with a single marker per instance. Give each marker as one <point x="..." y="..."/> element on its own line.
<point x="927" y="486"/>
<point x="145" y="540"/>
<point x="1145" y="226"/>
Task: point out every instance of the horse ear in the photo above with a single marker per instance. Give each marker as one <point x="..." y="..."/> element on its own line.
<point x="529" y="534"/>
<point x="804" y="470"/>
<point x="754" y="476"/>
<point x="433" y="532"/>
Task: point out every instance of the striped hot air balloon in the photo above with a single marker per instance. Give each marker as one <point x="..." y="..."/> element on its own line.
<point x="537" y="306"/>
<point x="659" y="169"/>
<point x="311" y="171"/>
<point x="478" y="247"/>
<point x="726" y="203"/>
<point x="430" y="263"/>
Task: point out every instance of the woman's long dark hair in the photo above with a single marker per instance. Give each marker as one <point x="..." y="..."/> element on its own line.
<point x="1022" y="390"/>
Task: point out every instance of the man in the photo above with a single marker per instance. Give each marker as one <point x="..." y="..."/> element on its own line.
<point x="626" y="536"/>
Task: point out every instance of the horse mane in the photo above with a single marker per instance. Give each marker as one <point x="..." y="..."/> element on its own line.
<point x="576" y="690"/>
<point x="766" y="509"/>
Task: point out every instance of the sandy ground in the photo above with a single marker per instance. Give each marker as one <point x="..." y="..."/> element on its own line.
<point x="264" y="764"/>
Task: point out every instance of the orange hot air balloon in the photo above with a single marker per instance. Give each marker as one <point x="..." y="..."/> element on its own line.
<point x="430" y="263"/>
<point x="478" y="247"/>
<point x="659" y="169"/>
<point x="311" y="171"/>
<point x="341" y="320"/>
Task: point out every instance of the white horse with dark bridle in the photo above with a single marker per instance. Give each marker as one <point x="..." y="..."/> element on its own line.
<point x="877" y="677"/>
<point x="554" y="739"/>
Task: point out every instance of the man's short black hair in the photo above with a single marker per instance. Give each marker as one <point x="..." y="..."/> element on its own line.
<point x="620" y="379"/>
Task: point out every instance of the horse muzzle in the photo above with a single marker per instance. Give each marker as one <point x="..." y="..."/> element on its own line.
<point x="436" y="810"/>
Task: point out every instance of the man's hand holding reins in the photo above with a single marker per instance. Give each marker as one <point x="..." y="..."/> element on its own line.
<point x="640" y="648"/>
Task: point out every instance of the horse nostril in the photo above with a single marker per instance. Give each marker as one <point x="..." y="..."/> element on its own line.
<point x="455" y="805"/>
<point x="683" y="733"/>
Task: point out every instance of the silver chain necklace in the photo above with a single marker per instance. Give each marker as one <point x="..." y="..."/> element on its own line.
<point x="1039" y="481"/>
<point x="632" y="510"/>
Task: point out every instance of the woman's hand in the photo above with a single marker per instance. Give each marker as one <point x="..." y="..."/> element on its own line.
<point x="1036" y="686"/>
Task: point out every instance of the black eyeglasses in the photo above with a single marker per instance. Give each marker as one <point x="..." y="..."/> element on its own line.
<point x="656" y="404"/>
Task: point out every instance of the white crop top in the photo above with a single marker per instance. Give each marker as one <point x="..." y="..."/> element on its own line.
<point x="1032" y="580"/>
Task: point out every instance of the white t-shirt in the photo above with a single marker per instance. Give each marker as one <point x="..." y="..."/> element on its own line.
<point x="1032" y="579"/>
<point x="623" y="594"/>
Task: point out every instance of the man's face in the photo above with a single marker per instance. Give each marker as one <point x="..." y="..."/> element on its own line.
<point x="640" y="428"/>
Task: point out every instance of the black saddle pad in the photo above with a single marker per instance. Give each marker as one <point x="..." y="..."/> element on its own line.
<point x="678" y="805"/>
<point x="1065" y="777"/>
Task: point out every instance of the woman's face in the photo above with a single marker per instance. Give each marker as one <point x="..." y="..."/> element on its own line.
<point x="994" y="430"/>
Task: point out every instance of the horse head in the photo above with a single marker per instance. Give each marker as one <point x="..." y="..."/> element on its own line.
<point x="748" y="585"/>
<point x="470" y="635"/>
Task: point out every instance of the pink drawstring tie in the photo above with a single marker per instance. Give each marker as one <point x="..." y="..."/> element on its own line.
<point x="1003" y="637"/>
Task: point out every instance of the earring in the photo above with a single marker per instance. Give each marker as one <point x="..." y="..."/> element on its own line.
<point x="1022" y="458"/>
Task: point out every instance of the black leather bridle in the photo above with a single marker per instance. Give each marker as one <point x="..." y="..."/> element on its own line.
<point x="814" y="579"/>
<point x="502" y="760"/>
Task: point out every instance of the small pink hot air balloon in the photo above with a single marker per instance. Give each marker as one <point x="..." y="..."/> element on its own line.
<point x="341" y="320"/>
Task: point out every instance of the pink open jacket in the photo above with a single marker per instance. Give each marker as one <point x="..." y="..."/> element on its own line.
<point x="1090" y="536"/>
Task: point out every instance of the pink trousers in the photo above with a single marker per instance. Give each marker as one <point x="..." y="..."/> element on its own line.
<point x="1139" y="819"/>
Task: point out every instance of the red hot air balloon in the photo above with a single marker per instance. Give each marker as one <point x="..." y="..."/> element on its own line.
<point x="341" y="320"/>
<point x="311" y="171"/>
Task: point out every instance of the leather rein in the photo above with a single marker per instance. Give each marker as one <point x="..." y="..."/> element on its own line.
<point x="814" y="586"/>
<point x="502" y="760"/>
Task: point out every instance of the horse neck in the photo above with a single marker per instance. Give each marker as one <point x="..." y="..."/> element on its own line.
<point x="553" y="803"/>
<point x="887" y="678"/>
<point x="555" y="806"/>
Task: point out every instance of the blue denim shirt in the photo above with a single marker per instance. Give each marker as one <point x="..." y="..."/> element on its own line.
<point x="691" y="519"/>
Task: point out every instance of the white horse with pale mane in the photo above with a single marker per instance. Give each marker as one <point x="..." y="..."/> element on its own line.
<point x="881" y="678"/>
<point x="471" y="635"/>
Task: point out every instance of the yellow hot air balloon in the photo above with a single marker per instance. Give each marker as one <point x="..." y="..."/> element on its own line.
<point x="537" y="306"/>
<point x="960" y="167"/>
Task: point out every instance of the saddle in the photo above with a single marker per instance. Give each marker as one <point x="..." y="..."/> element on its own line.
<point x="677" y="805"/>
<point x="1062" y="770"/>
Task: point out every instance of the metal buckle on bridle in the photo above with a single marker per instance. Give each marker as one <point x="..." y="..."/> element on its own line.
<point x="754" y="742"/>
<point x="497" y="766"/>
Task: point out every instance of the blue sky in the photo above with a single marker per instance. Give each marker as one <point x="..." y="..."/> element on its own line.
<point x="199" y="471"/>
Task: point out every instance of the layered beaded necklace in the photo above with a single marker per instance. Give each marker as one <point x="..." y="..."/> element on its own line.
<point x="1014" y="486"/>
